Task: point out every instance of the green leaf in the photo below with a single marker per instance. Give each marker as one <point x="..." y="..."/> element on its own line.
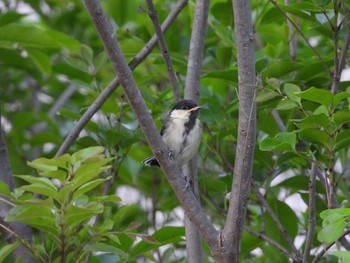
<point x="41" y="218"/>
<point x="165" y="235"/>
<point x="4" y="189"/>
<point x="314" y="135"/>
<point x="77" y="215"/>
<point x="29" y="36"/>
<point x="331" y="232"/>
<point x="102" y="247"/>
<point x="342" y="140"/>
<point x="7" y="250"/>
<point x="86" y="153"/>
<point x="280" y="68"/>
<point x="286" y="105"/>
<point x="230" y="75"/>
<point x="345" y="255"/>
<point x="341" y="117"/>
<point x="38" y="185"/>
<point x="46" y="165"/>
<point x="318" y="120"/>
<point x="291" y="90"/>
<point x="320" y="96"/>
<point x="88" y="186"/>
<point x="282" y="141"/>
<point x="265" y="95"/>
<point x="40" y="60"/>
<point x="339" y="97"/>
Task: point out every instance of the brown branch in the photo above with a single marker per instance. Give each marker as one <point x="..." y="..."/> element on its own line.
<point x="312" y="213"/>
<point x="233" y="229"/>
<point x="172" y="173"/>
<point x="340" y="63"/>
<point x="164" y="48"/>
<point x="326" y="248"/>
<point x="21" y="230"/>
<point x="104" y="95"/>
<point x="278" y="223"/>
<point x="292" y="37"/>
<point x="272" y="242"/>
<point x="302" y="35"/>
<point x="194" y="66"/>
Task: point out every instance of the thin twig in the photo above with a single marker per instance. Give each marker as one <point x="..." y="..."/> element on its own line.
<point x="277" y="221"/>
<point x="272" y="242"/>
<point x="164" y="48"/>
<point x="341" y="62"/>
<point x="312" y="213"/>
<point x="292" y="37"/>
<point x="303" y="36"/>
<point x="326" y="248"/>
<point x="106" y="93"/>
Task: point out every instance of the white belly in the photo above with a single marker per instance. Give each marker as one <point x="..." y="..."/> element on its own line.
<point x="181" y="146"/>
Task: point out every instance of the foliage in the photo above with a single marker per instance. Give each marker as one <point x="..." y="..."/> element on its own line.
<point x="53" y="48"/>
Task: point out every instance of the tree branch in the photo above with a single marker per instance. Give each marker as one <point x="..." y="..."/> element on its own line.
<point x="272" y="242"/>
<point x="164" y="48"/>
<point x="172" y="173"/>
<point x="104" y="95"/>
<point x="302" y="35"/>
<point x="340" y="63"/>
<point x="192" y="90"/>
<point x="21" y="230"/>
<point x="326" y="248"/>
<point x="312" y="213"/>
<point x="278" y="223"/>
<point x="233" y="229"/>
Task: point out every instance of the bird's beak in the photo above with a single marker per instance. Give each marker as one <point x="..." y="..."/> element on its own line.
<point x="195" y="108"/>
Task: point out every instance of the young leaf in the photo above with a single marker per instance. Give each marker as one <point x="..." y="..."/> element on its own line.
<point x="7" y="250"/>
<point x="320" y="96"/>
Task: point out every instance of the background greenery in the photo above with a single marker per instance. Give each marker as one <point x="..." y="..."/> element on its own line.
<point x="48" y="47"/>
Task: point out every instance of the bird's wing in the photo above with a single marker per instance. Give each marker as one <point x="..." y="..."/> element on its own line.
<point x="164" y="126"/>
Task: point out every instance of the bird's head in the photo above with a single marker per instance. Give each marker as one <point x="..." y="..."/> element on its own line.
<point x="185" y="109"/>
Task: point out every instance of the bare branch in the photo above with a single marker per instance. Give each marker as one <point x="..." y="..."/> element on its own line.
<point x="277" y="221"/>
<point x="195" y="57"/>
<point x="312" y="214"/>
<point x="326" y="248"/>
<point x="95" y="106"/>
<point x="194" y="66"/>
<point x="104" y="95"/>
<point x="292" y="37"/>
<point x="186" y="197"/>
<point x="164" y="48"/>
<point x="340" y="62"/>
<point x="302" y="35"/>
<point x="272" y="242"/>
<point x="233" y="229"/>
<point x="21" y="230"/>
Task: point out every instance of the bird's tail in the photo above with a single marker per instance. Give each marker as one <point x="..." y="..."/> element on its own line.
<point x="151" y="161"/>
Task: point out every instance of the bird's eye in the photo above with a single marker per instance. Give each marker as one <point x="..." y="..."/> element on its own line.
<point x="184" y="107"/>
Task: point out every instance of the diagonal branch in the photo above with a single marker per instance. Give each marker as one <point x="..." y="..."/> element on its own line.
<point x="104" y="95"/>
<point x="302" y="35"/>
<point x="272" y="242"/>
<point x="164" y="48"/>
<point x="172" y="173"/>
<point x="275" y="219"/>
<point x="326" y="248"/>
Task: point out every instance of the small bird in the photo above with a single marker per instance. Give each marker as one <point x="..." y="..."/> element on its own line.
<point x="181" y="132"/>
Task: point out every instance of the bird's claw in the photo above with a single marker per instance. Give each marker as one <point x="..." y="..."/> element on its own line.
<point x="188" y="184"/>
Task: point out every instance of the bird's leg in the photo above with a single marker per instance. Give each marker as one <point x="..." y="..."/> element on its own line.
<point x="188" y="181"/>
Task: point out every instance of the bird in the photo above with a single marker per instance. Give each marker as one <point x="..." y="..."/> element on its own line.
<point x="181" y="132"/>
